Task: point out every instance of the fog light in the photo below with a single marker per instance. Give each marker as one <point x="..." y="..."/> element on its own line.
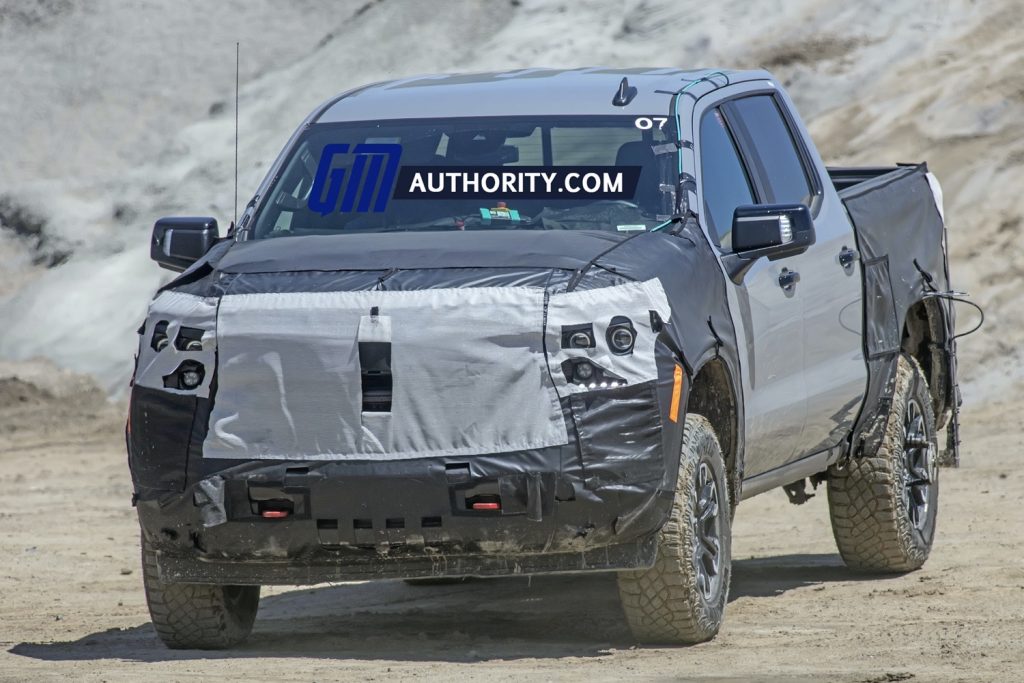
<point x="194" y="345"/>
<point x="584" y="371"/>
<point x="188" y="376"/>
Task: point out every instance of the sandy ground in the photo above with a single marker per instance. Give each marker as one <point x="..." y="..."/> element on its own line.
<point x="71" y="603"/>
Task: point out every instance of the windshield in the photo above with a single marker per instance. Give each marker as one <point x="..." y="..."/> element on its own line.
<point x="515" y="173"/>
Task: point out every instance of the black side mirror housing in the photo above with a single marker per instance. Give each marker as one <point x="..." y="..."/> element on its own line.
<point x="772" y="230"/>
<point x="180" y="241"/>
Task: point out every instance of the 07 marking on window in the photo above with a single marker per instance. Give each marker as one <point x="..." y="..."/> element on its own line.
<point x="648" y="122"/>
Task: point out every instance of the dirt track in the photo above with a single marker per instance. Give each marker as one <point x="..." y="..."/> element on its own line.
<point x="69" y="608"/>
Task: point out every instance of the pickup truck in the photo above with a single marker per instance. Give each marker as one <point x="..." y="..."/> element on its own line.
<point x="540" y="321"/>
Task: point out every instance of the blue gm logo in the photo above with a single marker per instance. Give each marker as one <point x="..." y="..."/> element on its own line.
<point x="372" y="176"/>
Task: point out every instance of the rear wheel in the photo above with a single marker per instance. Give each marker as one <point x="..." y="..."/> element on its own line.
<point x="884" y="506"/>
<point x="681" y="599"/>
<point x="197" y="616"/>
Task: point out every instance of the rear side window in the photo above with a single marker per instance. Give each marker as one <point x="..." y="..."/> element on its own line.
<point x="777" y="159"/>
<point x="723" y="177"/>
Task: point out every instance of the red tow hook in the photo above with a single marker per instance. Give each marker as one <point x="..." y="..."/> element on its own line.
<point x="485" y="502"/>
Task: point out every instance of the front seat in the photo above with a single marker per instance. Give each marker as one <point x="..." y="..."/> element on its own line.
<point x="648" y="192"/>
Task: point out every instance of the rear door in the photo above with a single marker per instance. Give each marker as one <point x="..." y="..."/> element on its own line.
<point x="771" y="319"/>
<point x="789" y="171"/>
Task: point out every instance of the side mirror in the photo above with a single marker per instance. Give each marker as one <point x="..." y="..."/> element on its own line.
<point x="772" y="230"/>
<point x="181" y="241"/>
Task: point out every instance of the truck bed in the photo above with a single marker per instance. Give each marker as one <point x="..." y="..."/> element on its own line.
<point x="901" y="238"/>
<point x="845" y="177"/>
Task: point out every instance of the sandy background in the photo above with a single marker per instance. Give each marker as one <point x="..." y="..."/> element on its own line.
<point x="115" y="113"/>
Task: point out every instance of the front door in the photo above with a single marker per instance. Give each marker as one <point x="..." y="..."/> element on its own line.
<point x="769" y="318"/>
<point x="830" y="283"/>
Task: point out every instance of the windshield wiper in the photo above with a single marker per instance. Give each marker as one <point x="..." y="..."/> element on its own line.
<point x="468" y="221"/>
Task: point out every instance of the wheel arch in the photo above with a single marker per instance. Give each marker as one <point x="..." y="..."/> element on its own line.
<point x="924" y="339"/>
<point x="713" y="395"/>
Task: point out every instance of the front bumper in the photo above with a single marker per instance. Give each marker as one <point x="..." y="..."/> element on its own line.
<point x="595" y="503"/>
<point x="405" y="519"/>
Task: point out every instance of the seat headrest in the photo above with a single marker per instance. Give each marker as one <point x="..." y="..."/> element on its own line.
<point x="485" y="147"/>
<point x="637" y="153"/>
<point x="641" y="154"/>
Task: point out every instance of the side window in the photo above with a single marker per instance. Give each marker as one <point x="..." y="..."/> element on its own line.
<point x="723" y="178"/>
<point x="778" y="161"/>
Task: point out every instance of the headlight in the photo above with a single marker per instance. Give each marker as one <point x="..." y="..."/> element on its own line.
<point x="578" y="336"/>
<point x="159" y="340"/>
<point x="189" y="339"/>
<point x="621" y="335"/>
<point x="622" y="339"/>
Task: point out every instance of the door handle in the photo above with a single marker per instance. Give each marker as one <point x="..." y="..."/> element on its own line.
<point x="788" y="279"/>
<point x="846" y="258"/>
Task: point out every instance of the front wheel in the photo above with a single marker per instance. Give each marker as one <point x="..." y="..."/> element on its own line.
<point x="884" y="505"/>
<point x="190" y="616"/>
<point x="681" y="599"/>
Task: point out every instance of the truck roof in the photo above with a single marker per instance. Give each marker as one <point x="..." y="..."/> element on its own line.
<point x="587" y="90"/>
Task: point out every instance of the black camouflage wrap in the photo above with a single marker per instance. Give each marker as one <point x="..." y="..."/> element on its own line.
<point x="593" y="503"/>
<point x="901" y="238"/>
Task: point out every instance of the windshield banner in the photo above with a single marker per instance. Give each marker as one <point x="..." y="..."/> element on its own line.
<point x="368" y="172"/>
<point x="525" y="182"/>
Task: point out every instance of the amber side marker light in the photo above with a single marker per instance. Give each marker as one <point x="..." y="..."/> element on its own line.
<point x="677" y="392"/>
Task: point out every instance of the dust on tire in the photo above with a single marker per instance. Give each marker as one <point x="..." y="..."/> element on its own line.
<point x="197" y="616"/>
<point x="666" y="604"/>
<point x="870" y="518"/>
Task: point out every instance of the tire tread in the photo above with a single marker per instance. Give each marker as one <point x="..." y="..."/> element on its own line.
<point x="194" y="616"/>
<point x="662" y="604"/>
<point x="869" y="523"/>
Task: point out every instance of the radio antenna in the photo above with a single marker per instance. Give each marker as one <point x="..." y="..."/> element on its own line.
<point x="235" y="221"/>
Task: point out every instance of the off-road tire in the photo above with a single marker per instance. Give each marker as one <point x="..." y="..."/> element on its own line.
<point x="870" y="501"/>
<point x="190" y="616"/>
<point x="666" y="603"/>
